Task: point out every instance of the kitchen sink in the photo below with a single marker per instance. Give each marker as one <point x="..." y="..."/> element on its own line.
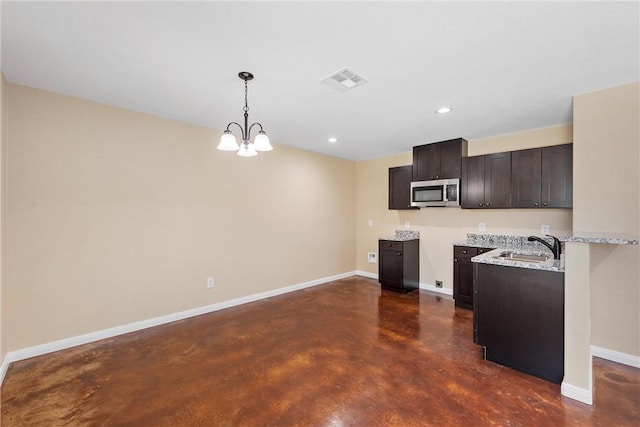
<point x="515" y="256"/>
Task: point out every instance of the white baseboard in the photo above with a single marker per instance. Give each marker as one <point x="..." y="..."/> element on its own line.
<point x="424" y="286"/>
<point x="615" y="356"/>
<point x="432" y="288"/>
<point x="577" y="393"/>
<point x="41" y="349"/>
<point x="4" y="367"/>
<point x="367" y="274"/>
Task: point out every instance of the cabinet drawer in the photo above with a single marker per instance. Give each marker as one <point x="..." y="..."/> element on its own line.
<point x="391" y="245"/>
<point x="464" y="252"/>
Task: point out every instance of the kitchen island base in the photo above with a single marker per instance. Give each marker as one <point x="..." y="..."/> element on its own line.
<point x="519" y="318"/>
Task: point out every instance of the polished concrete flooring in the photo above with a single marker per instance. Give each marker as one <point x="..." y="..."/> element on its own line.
<point x="340" y="354"/>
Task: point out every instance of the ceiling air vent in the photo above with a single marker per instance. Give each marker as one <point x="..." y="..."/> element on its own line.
<point x="343" y="80"/>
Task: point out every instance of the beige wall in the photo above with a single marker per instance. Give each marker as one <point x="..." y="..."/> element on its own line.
<point x="3" y="140"/>
<point x="607" y="199"/>
<point x="115" y="217"/>
<point x="440" y="228"/>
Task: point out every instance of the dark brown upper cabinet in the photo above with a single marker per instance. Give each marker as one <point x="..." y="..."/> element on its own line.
<point x="399" y="187"/>
<point x="542" y="177"/>
<point x="557" y="176"/>
<point x="486" y="181"/>
<point x="439" y="160"/>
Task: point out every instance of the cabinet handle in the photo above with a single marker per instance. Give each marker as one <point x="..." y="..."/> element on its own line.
<point x="455" y="260"/>
<point x="389" y="244"/>
<point x="464" y="252"/>
<point x="437" y="176"/>
<point x="488" y="204"/>
<point x="535" y="204"/>
<point x="480" y="205"/>
<point x="399" y="253"/>
<point x="544" y="204"/>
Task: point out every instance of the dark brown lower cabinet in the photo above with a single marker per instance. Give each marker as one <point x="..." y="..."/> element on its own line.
<point x="463" y="274"/>
<point x="518" y="316"/>
<point x="399" y="264"/>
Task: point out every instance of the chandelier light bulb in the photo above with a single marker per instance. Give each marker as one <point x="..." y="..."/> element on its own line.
<point x="228" y="142"/>
<point x="247" y="150"/>
<point x="261" y="142"/>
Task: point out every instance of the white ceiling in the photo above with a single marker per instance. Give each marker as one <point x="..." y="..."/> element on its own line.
<point x="503" y="66"/>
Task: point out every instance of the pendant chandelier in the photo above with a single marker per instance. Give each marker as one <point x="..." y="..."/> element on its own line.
<point x="246" y="148"/>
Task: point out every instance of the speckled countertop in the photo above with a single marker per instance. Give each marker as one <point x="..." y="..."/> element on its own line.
<point x="603" y="238"/>
<point x="403" y="236"/>
<point x="549" y="265"/>
<point x="519" y="244"/>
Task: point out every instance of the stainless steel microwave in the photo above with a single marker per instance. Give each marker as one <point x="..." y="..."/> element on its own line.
<point x="441" y="192"/>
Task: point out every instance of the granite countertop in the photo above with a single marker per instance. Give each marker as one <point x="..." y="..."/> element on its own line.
<point x="520" y="244"/>
<point x="606" y="238"/>
<point x="403" y="236"/>
<point x="549" y="265"/>
<point x="474" y="244"/>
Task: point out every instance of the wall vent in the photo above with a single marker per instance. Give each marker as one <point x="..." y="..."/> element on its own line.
<point x="343" y="80"/>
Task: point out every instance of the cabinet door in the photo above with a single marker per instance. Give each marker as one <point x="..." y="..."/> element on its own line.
<point x="463" y="271"/>
<point x="526" y="178"/>
<point x="557" y="176"/>
<point x="497" y="180"/>
<point x="472" y="184"/>
<point x="463" y="282"/>
<point x="450" y="158"/>
<point x="390" y="269"/>
<point x="426" y="162"/>
<point x="400" y="187"/>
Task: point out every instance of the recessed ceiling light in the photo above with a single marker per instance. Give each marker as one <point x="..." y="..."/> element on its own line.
<point x="444" y="110"/>
<point x="333" y="140"/>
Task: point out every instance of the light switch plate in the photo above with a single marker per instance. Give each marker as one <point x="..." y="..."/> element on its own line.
<point x="481" y="226"/>
<point x="544" y="229"/>
<point x="370" y="223"/>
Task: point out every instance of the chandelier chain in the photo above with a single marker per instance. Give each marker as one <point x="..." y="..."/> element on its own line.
<point x="246" y="103"/>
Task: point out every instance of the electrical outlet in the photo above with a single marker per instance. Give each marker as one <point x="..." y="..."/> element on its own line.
<point x="210" y="282"/>
<point x="481" y="226"/>
<point x="407" y="224"/>
<point x="438" y="283"/>
<point x="544" y="229"/>
<point x="371" y="256"/>
<point x="370" y="223"/>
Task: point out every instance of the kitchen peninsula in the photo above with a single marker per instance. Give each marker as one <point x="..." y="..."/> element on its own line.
<point x="518" y="312"/>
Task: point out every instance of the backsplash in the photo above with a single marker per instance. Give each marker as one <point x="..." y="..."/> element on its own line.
<point x="506" y="241"/>
<point x="407" y="234"/>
